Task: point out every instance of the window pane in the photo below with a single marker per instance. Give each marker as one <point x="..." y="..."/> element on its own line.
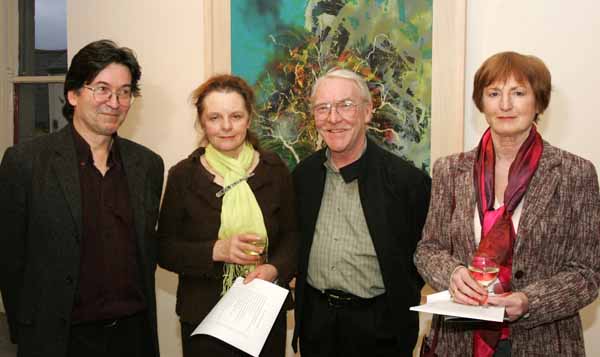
<point x="38" y="110"/>
<point x="42" y="37"/>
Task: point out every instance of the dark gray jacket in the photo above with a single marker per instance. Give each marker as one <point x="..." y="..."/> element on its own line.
<point x="40" y="218"/>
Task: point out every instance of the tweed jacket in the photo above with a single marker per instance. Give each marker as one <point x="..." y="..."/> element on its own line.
<point x="556" y="258"/>
<point x="40" y="216"/>
<point x="394" y="196"/>
<point x="189" y="224"/>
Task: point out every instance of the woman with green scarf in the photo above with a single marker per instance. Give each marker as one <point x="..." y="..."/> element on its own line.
<point x="228" y="211"/>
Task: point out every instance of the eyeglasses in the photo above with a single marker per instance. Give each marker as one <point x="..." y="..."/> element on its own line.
<point x="102" y="94"/>
<point x="345" y="108"/>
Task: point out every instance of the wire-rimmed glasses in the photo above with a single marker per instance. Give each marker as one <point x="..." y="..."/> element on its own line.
<point x="346" y="109"/>
<point x="102" y="94"/>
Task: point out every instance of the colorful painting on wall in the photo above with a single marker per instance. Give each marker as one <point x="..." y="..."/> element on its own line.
<point x="282" y="46"/>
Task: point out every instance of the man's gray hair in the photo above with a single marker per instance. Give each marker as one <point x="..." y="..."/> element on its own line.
<point x="345" y="74"/>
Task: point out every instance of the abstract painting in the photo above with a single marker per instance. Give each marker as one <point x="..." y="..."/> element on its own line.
<point x="282" y="46"/>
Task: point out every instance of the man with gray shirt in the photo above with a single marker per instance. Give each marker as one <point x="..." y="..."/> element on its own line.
<point x="361" y="210"/>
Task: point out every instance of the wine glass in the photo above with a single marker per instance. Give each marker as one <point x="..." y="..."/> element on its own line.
<point x="262" y="242"/>
<point x="484" y="270"/>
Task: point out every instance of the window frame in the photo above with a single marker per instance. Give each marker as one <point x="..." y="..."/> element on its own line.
<point x="9" y="78"/>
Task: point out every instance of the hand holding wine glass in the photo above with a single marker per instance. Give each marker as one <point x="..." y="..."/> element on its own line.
<point x="485" y="271"/>
<point x="259" y="241"/>
<point x="237" y="250"/>
<point x="464" y="289"/>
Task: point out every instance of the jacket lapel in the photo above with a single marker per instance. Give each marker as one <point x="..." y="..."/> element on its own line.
<point x="64" y="164"/>
<point x="464" y="195"/>
<point x="540" y="192"/>
<point x="309" y="185"/>
<point x="371" y="197"/>
<point x="135" y="174"/>
<point x="205" y="189"/>
<point x="316" y="186"/>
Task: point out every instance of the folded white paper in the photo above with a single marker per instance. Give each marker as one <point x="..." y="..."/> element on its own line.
<point x="441" y="303"/>
<point x="245" y="315"/>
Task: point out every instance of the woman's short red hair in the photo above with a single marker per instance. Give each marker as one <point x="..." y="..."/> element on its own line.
<point x="525" y="69"/>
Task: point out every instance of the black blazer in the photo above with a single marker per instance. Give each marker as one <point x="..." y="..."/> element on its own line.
<point x="395" y="198"/>
<point x="40" y="216"/>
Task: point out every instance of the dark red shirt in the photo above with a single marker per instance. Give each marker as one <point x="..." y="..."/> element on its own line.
<point x="109" y="279"/>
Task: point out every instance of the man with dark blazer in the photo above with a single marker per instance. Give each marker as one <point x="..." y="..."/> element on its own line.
<point x="361" y="210"/>
<point x="78" y="211"/>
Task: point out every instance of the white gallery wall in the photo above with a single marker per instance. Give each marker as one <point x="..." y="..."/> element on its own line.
<point x="564" y="34"/>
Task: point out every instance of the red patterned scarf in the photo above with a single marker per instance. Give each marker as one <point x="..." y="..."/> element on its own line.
<point x="498" y="233"/>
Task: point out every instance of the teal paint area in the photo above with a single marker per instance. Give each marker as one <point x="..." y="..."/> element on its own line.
<point x="253" y="22"/>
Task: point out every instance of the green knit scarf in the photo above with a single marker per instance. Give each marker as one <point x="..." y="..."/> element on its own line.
<point x="240" y="212"/>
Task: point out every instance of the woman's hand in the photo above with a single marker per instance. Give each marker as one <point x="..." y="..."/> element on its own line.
<point x="266" y="272"/>
<point x="466" y="290"/>
<point x="515" y="304"/>
<point x="234" y="250"/>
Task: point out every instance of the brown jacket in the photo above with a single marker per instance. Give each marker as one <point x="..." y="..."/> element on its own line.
<point x="189" y="223"/>
<point x="556" y="260"/>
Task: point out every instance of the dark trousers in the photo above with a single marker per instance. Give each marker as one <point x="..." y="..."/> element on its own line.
<point x="204" y="345"/>
<point x="126" y="337"/>
<point x="362" y="329"/>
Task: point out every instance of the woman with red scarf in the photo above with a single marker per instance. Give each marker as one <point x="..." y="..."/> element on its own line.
<point x="533" y="207"/>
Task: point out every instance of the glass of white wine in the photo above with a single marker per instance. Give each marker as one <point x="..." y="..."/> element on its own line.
<point x="485" y="271"/>
<point x="261" y="243"/>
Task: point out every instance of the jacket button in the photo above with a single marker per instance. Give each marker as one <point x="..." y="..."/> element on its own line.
<point x="69" y="280"/>
<point x="519" y="274"/>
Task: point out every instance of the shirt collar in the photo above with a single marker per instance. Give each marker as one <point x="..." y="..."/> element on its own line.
<point x="84" y="152"/>
<point x="349" y="172"/>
